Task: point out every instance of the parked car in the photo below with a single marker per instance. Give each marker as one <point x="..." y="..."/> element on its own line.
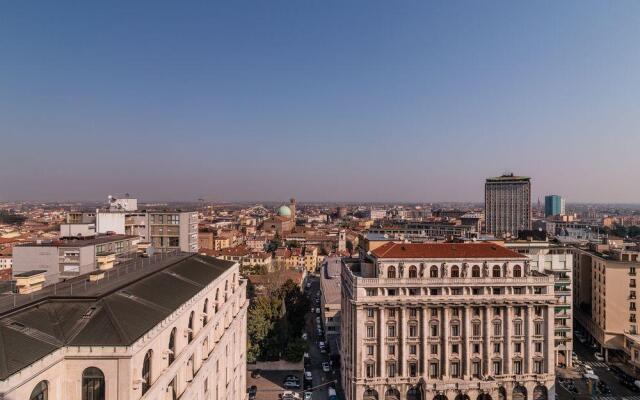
<point x="326" y="367"/>
<point x="291" y="385"/>
<point x="598" y="356"/>
<point x="256" y="373"/>
<point x="308" y="375"/>
<point x="307" y="396"/>
<point x="317" y="311"/>
<point x="253" y="391"/>
<point x="588" y="370"/>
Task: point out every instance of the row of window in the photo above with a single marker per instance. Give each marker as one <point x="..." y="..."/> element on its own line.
<point x="518" y="311"/>
<point x="93" y="387"/>
<point x="455" y="329"/>
<point x="456" y="272"/>
<point x="455" y="349"/>
<point x="455" y="369"/>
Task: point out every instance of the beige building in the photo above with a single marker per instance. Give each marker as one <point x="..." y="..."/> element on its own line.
<point x="465" y="321"/>
<point x="178" y="331"/>
<point x="605" y="295"/>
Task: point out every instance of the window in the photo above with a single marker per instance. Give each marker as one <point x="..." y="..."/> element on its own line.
<point x="92" y="384"/>
<point x="172" y="389"/>
<point x="413" y="349"/>
<point x="40" y="392"/>
<point x="391" y="292"/>
<point x="537" y="328"/>
<point x="369" y="350"/>
<point x="391" y="330"/>
<point x="475" y="272"/>
<point x="517" y="271"/>
<point x="413" y="272"/>
<point x="413" y="330"/>
<point x="496" y="311"/>
<point x="455" y="312"/>
<point x="455" y="348"/>
<point x="476" y="311"/>
<point x="455" y="330"/>
<point x="413" y="369"/>
<point x="433" y="272"/>
<point x="497" y="329"/>
<point x="476" y="348"/>
<point x="517" y="347"/>
<point x="517" y="328"/>
<point x="475" y="369"/>
<point x="371" y="370"/>
<point x="392" y="313"/>
<point x="391" y="272"/>
<point x="497" y="368"/>
<point x="146" y="372"/>
<point x="475" y="329"/>
<point x="455" y="271"/>
<point x="455" y="369"/>
<point x="632" y="283"/>
<point x="537" y="311"/>
<point x="433" y="370"/>
<point x="496" y="271"/>
<point x="391" y="370"/>
<point x="496" y="347"/>
<point x="372" y="292"/>
<point x="370" y="331"/>
<point x="370" y="312"/>
<point x="190" y="328"/>
<point x="413" y="312"/>
<point x="434" y="312"/>
<point x="434" y="330"/>
<point x="434" y="349"/>
<point x="171" y="356"/>
<point x="537" y="367"/>
<point x="391" y="350"/>
<point x="517" y="367"/>
<point x="538" y="347"/>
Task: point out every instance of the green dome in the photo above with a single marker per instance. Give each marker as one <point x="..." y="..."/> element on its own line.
<point x="284" y="211"/>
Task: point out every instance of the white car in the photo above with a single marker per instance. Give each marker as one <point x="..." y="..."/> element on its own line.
<point x="326" y="367"/>
<point x="308" y="376"/>
<point x="588" y="370"/>
<point x="307" y="395"/>
<point x="598" y="356"/>
<point x="317" y="311"/>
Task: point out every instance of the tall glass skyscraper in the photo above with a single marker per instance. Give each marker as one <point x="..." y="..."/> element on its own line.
<point x="553" y="205"/>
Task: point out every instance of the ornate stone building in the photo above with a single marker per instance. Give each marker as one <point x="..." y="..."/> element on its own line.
<point x="446" y="321"/>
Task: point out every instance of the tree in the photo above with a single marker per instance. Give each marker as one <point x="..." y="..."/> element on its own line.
<point x="296" y="348"/>
<point x="349" y="245"/>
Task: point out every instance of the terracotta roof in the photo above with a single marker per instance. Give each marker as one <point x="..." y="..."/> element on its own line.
<point x="444" y="250"/>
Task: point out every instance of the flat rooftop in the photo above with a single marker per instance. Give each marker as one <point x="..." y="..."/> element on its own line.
<point x="79" y="242"/>
<point x="116" y="314"/>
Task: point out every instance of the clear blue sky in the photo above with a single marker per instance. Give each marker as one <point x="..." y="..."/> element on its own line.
<point x="322" y="100"/>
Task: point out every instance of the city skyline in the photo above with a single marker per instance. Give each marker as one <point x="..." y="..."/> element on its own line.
<point x="331" y="101"/>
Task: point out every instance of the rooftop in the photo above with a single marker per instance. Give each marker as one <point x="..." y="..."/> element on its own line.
<point x="117" y="316"/>
<point x="78" y="242"/>
<point x="444" y="251"/>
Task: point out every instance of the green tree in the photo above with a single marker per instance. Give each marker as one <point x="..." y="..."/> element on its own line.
<point x="296" y="348"/>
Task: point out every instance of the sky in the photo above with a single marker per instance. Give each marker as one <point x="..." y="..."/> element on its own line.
<point x="321" y="100"/>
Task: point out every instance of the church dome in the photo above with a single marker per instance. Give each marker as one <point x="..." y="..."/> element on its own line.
<point x="284" y="211"/>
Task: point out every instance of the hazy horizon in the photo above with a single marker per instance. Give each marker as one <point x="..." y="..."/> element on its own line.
<point x="325" y="101"/>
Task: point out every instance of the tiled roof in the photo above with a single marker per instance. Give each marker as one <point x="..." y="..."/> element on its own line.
<point x="444" y="250"/>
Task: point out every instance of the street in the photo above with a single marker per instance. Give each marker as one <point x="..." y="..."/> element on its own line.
<point x="269" y="383"/>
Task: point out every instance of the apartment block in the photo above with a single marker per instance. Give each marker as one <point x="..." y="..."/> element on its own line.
<point x="507" y="205"/>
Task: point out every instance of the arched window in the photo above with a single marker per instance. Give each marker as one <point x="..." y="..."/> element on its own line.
<point x="475" y="271"/>
<point x="146" y="371"/>
<point x="190" y="331"/>
<point x="205" y="312"/>
<point x="517" y="271"/>
<point x="391" y="272"/>
<point x="92" y="384"/>
<point x="519" y="393"/>
<point x="433" y="272"/>
<point x="172" y="346"/>
<point x="40" y="392"/>
<point x="496" y="271"/>
<point x="413" y="272"/>
<point x="455" y="271"/>
<point x="217" y="298"/>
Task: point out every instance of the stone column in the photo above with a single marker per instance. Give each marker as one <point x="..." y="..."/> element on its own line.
<point x="466" y="358"/>
<point x="528" y="332"/>
<point x="550" y="341"/>
<point x="423" y="341"/>
<point x="401" y="339"/>
<point x="506" y="332"/>
<point x="382" y="355"/>
<point x="486" y="342"/>
<point x="358" y="344"/>
<point x="445" y="341"/>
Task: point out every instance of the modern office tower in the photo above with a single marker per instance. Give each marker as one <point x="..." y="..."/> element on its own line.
<point x="425" y="321"/>
<point x="507" y="205"/>
<point x="173" y="329"/>
<point x="553" y="205"/>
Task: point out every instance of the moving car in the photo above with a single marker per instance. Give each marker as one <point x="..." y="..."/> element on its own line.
<point x="598" y="356"/>
<point x="326" y="367"/>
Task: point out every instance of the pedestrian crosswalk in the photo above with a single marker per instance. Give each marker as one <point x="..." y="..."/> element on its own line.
<point x="592" y="364"/>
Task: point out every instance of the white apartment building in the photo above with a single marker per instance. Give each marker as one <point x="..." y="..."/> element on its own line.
<point x="446" y="321"/>
<point x="556" y="261"/>
<point x="177" y="332"/>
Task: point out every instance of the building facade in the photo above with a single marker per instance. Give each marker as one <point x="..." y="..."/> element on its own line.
<point x="179" y="332"/>
<point x="507" y="205"/>
<point x="554" y="205"/>
<point x="425" y="321"/>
